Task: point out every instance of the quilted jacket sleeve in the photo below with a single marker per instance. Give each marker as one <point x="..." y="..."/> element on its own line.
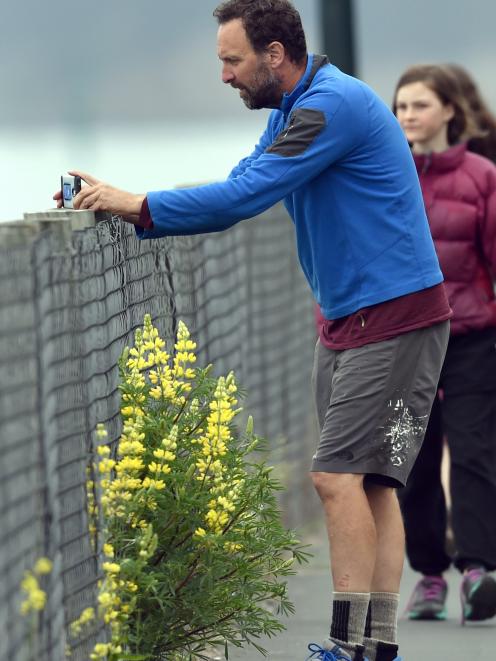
<point x="488" y="221"/>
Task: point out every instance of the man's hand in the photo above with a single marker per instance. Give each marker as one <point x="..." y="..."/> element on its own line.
<point x="98" y="196"/>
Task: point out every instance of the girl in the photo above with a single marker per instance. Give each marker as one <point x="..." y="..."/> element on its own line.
<point x="459" y="190"/>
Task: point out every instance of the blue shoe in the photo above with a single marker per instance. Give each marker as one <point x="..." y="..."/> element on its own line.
<point x="334" y="654"/>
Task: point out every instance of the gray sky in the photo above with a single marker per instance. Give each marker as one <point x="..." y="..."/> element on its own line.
<point x="393" y="34"/>
<point x="123" y="60"/>
<point x="111" y="60"/>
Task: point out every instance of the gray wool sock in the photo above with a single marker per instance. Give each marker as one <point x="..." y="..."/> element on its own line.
<point x="349" y="612"/>
<point x="381" y="627"/>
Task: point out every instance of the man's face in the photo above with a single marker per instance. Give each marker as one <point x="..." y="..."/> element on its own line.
<point x="246" y="70"/>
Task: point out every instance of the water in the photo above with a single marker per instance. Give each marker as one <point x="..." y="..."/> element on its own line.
<point x="132" y="157"/>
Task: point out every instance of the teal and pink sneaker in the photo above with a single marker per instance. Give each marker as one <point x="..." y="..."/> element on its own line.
<point x="428" y="600"/>
<point x="478" y="595"/>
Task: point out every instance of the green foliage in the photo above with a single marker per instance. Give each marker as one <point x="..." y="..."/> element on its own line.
<point x="196" y="553"/>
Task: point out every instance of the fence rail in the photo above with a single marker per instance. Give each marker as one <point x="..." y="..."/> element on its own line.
<point x="73" y="292"/>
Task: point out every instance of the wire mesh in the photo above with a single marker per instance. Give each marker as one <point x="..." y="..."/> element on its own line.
<point x="69" y="304"/>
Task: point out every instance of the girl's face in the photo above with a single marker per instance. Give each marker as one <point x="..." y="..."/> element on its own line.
<point x="423" y="117"/>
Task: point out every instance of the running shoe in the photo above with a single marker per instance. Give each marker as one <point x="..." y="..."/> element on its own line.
<point x="478" y="595"/>
<point x="428" y="600"/>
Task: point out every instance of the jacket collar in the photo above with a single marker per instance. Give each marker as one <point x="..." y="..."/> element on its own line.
<point x="314" y="63"/>
<point x="443" y="161"/>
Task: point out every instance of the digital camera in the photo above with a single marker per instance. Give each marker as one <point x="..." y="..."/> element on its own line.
<point x="69" y="187"/>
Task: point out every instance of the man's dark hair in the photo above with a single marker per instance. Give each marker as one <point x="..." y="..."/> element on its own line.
<point x="266" y="21"/>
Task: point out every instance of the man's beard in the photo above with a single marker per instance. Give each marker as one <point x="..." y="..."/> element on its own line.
<point x="264" y="90"/>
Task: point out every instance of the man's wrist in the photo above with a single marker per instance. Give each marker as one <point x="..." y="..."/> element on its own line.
<point x="145" y="219"/>
<point x="137" y="204"/>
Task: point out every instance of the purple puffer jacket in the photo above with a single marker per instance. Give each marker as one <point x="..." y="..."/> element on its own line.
<point x="459" y="191"/>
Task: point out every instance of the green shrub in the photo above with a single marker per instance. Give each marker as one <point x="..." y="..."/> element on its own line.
<point x="184" y="516"/>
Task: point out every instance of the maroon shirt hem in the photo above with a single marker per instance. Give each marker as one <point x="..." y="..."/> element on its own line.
<point x="386" y="320"/>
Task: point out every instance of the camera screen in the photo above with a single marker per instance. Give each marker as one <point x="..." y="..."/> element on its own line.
<point x="67" y="191"/>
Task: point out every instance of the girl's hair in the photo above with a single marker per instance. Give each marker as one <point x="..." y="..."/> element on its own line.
<point x="484" y="144"/>
<point x="442" y="81"/>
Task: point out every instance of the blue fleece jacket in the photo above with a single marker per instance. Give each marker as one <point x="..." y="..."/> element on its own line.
<point x="337" y="156"/>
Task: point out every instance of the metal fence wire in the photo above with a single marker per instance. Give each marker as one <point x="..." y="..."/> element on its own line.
<point x="69" y="303"/>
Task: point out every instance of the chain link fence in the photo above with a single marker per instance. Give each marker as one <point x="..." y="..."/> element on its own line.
<point x="70" y="302"/>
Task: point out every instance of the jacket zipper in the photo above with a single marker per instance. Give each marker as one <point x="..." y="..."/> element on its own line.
<point x="427" y="163"/>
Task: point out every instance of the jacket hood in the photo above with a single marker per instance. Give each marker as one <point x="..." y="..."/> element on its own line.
<point x="443" y="161"/>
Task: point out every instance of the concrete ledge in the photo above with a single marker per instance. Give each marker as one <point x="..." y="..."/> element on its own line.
<point x="16" y="232"/>
<point x="71" y="219"/>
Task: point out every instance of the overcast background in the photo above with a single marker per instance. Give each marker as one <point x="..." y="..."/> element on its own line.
<point x="132" y="93"/>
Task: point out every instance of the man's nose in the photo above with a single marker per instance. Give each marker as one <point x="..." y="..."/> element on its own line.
<point x="227" y="75"/>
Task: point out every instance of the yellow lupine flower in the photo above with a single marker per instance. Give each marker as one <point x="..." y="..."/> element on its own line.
<point x="156" y="392"/>
<point x="87" y="616"/>
<point x="110" y="615"/>
<point x="38" y="600"/>
<point x="131" y="447"/>
<point x="130" y="464"/>
<point x="101" y="432"/>
<point x="105" y="599"/>
<point x="106" y="465"/>
<point x="127" y="410"/>
<point x="231" y="547"/>
<point x="108" y="550"/>
<point x="158" y="343"/>
<point x="169" y="443"/>
<point x="35" y="597"/>
<point x="148" y="483"/>
<point x="159" y="468"/>
<point x="111" y="567"/>
<point x="226" y="504"/>
<point x="127" y="482"/>
<point x="100" y="651"/>
<point x="43" y="566"/>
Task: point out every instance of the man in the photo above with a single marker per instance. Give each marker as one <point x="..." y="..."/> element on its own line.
<point x="338" y="157"/>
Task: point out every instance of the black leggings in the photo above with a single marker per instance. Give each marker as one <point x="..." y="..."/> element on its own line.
<point x="466" y="415"/>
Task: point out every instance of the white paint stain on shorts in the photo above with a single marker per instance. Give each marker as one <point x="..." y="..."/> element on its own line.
<point x="402" y="432"/>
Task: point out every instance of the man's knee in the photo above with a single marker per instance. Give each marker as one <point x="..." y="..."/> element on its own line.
<point x="332" y="486"/>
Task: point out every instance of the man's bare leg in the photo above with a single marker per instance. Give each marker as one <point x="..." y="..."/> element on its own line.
<point x="390" y="555"/>
<point x="352" y="541"/>
<point x="381" y="635"/>
<point x="350" y="528"/>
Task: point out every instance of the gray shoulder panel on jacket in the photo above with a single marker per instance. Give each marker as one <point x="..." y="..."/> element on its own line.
<point x="304" y="126"/>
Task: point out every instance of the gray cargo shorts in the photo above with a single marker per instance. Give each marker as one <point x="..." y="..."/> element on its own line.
<point x="373" y="404"/>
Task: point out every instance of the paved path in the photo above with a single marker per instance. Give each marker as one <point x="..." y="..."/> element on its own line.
<point x="420" y="641"/>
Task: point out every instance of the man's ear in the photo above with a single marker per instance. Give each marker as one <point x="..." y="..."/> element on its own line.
<point x="276" y="54"/>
